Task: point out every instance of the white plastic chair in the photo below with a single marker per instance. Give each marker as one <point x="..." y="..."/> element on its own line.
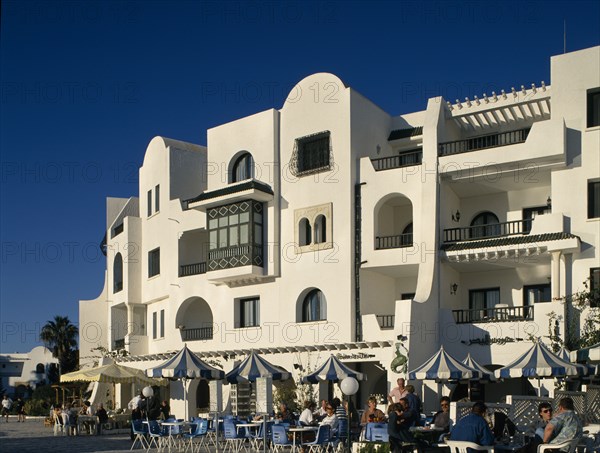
<point x="460" y="446"/>
<point x="568" y="446"/>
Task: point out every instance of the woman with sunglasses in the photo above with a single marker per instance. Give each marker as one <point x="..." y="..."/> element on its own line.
<point x="330" y="419"/>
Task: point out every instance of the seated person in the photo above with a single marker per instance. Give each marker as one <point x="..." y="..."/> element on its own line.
<point x="537" y="427"/>
<point x="339" y="408"/>
<point x="372" y="414"/>
<point x="473" y="427"/>
<point x="71" y="420"/>
<point x="165" y="410"/>
<point x="409" y="417"/>
<point x="565" y="425"/>
<point x="306" y="417"/>
<point x="284" y="414"/>
<point x="322" y="412"/>
<point x="330" y="419"/>
<point x="441" y="419"/>
<point x="57" y="418"/>
<point x="398" y="430"/>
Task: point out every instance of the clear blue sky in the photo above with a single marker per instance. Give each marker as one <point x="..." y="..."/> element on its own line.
<point x="86" y="85"/>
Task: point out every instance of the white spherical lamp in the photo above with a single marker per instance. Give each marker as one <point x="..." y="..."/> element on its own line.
<point x="148" y="392"/>
<point x="349" y="386"/>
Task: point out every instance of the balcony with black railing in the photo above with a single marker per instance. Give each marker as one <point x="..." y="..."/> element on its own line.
<point x="385" y="321"/>
<point x="186" y="270"/>
<point x="407" y="159"/>
<point x="393" y="242"/>
<point x="198" y="333"/>
<point x="483" y="142"/>
<point x="492" y="230"/>
<point x="503" y="314"/>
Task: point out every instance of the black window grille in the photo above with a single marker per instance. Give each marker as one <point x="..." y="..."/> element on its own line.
<point x="312" y="154"/>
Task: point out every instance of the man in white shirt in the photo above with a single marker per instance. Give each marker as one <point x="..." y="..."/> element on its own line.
<point x="6" y="406"/>
<point x="306" y="417"/>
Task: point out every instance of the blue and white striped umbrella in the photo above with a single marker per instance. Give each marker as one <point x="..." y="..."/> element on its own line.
<point x="443" y="367"/>
<point x="538" y="362"/>
<point x="253" y="367"/>
<point x="185" y="365"/>
<point x="486" y="375"/>
<point x="565" y="354"/>
<point x="333" y="370"/>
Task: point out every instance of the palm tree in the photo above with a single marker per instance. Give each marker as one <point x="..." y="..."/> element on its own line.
<point x="60" y="336"/>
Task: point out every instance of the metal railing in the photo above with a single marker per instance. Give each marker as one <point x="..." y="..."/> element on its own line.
<point x="504" y="314"/>
<point x="186" y="270"/>
<point x="385" y="321"/>
<point x="255" y="250"/>
<point x="402" y="160"/>
<point x="393" y="242"/>
<point x="483" y="142"/>
<point x="490" y="230"/>
<point x="198" y="333"/>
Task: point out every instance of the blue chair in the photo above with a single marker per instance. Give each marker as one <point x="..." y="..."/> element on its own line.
<point x="380" y="435"/>
<point x="279" y="437"/>
<point x="322" y="439"/>
<point x="233" y="439"/>
<point x="340" y="436"/>
<point x="140" y="431"/>
<point x="199" y="431"/>
<point x="156" y="435"/>
<point x="257" y="437"/>
<point x="370" y="427"/>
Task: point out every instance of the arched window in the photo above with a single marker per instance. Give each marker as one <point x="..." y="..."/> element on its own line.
<point x="40" y="368"/>
<point x="243" y="168"/>
<point x="313" y="306"/>
<point x="485" y="225"/>
<point x="320" y="225"/>
<point x="304" y="232"/>
<point x="407" y="235"/>
<point x="203" y="396"/>
<point x="118" y="273"/>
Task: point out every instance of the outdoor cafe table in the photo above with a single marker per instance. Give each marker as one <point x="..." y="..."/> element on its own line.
<point x="428" y="433"/>
<point x="300" y="429"/>
<point x="90" y="420"/>
<point x="170" y="425"/>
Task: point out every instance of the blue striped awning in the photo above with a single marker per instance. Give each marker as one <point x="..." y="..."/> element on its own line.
<point x="253" y="367"/>
<point x="443" y="367"/>
<point x="538" y="362"/>
<point x="185" y="365"/>
<point x="333" y="370"/>
<point x="485" y="375"/>
<point x="584" y="369"/>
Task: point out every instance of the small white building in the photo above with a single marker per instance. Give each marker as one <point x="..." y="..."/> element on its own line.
<point x="329" y="226"/>
<point x="21" y="371"/>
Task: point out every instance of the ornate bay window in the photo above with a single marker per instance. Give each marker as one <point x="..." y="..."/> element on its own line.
<point x="235" y="235"/>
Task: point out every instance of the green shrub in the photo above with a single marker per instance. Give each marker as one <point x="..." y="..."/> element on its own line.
<point x="375" y="447"/>
<point x="36" y="407"/>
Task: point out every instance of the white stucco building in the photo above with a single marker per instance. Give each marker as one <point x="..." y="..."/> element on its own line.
<point x="330" y="226"/>
<point x="20" y="372"/>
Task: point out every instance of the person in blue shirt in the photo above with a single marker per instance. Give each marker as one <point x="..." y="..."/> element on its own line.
<point x="473" y="427"/>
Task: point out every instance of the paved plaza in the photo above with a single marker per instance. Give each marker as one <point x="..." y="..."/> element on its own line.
<point x="33" y="436"/>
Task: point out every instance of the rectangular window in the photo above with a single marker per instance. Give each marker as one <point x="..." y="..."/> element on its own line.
<point x="595" y="287"/>
<point x="593" y="107"/>
<point x="313" y="153"/>
<point x="162" y="324"/>
<point x="154" y="262"/>
<point x="408" y="296"/>
<point x="149" y="203"/>
<point x="157" y="198"/>
<point x="154" y="326"/>
<point x="482" y="303"/>
<point x="249" y="312"/>
<point x="534" y="294"/>
<point x="593" y="199"/>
